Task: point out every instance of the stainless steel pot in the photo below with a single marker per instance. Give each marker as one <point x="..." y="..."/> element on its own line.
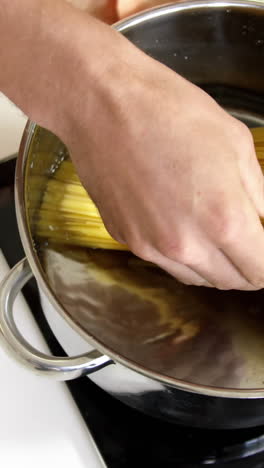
<point x="202" y="363"/>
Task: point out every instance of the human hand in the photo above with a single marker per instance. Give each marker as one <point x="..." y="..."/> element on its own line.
<point x="110" y="11"/>
<point x="106" y="10"/>
<point x="130" y="7"/>
<point x="173" y="175"/>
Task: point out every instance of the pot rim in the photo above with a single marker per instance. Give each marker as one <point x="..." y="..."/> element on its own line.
<point x="32" y="256"/>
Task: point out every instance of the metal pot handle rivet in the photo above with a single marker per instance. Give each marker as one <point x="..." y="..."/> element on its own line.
<point x="58" y="368"/>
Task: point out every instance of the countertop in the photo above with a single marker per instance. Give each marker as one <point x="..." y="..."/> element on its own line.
<point x="39" y="422"/>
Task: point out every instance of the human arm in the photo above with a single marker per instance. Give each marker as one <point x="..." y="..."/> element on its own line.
<point x="172" y="174"/>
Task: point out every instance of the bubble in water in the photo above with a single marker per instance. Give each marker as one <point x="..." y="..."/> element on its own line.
<point x="175" y="54"/>
<point x="157" y="41"/>
<point x="61" y="153"/>
<point x="186" y="57"/>
<point x="51" y="228"/>
<point x="228" y="11"/>
<point x="260" y="42"/>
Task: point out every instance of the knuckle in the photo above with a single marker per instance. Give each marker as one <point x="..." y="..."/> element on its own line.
<point x="244" y="141"/>
<point x="141" y="249"/>
<point x="242" y="132"/>
<point x="179" y="251"/>
<point x="227" y="229"/>
<point x="225" y="224"/>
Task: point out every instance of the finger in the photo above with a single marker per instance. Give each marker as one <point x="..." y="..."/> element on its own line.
<point x="181" y="272"/>
<point x="213" y="265"/>
<point x="130" y="7"/>
<point x="241" y="238"/>
<point x="202" y="257"/>
<point x="252" y="175"/>
<point x="106" y="10"/>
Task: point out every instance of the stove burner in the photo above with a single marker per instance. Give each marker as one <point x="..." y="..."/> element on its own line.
<point x="125" y="437"/>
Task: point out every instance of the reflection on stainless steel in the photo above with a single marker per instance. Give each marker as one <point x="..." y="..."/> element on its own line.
<point x="196" y="353"/>
<point x="59" y="368"/>
<point x="203" y="336"/>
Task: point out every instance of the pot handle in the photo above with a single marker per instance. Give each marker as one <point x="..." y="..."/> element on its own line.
<point x="64" y="368"/>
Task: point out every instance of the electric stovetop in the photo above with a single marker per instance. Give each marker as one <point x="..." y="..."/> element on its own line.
<point x="125" y="437"/>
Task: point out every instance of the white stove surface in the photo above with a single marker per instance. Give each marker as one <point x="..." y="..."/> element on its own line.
<point x="39" y="422"/>
<point x="12" y="123"/>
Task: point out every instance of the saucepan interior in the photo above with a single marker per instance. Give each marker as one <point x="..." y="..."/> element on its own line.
<point x="133" y="309"/>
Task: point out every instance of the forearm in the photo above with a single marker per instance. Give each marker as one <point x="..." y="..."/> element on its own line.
<point x="51" y="55"/>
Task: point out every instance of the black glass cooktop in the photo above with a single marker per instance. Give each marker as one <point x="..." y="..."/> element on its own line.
<point x="125" y="437"/>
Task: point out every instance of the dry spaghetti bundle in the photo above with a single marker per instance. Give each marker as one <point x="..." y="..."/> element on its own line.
<point x="68" y="215"/>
